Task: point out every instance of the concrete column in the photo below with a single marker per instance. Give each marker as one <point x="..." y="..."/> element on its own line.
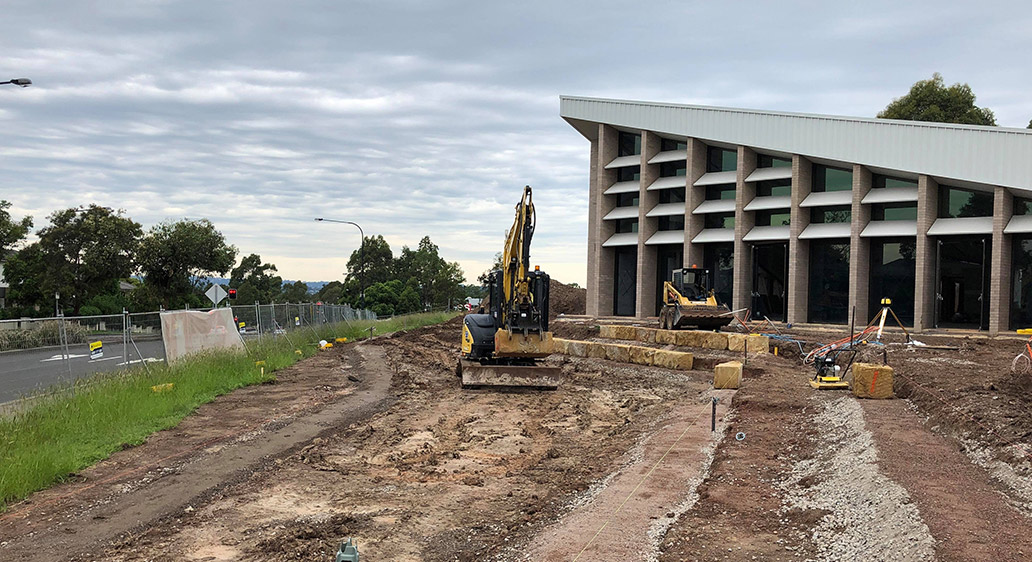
<point x="860" y="248"/>
<point x="647" y="295"/>
<point x="744" y="221"/>
<point x="924" y="282"/>
<point x="601" y="260"/>
<point x="1000" y="268"/>
<point x="693" y="224"/>
<point x="799" y="250"/>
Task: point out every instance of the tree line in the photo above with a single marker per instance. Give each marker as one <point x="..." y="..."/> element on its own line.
<point x="100" y="261"/>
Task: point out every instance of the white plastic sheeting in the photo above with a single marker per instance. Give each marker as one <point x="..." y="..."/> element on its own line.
<point x="186" y="332"/>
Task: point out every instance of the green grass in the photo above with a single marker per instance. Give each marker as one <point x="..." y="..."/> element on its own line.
<point x="73" y="427"/>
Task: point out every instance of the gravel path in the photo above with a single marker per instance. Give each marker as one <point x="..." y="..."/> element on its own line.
<point x="869" y="516"/>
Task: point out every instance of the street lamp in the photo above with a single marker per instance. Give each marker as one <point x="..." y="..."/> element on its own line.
<point x="23" y="82"/>
<point x="361" y="256"/>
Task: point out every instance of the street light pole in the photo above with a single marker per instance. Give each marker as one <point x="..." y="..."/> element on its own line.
<point x="361" y="255"/>
<point x="23" y="82"/>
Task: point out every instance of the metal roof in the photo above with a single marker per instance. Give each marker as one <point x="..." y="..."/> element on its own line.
<point x="961" y="225"/>
<point x="889" y="228"/>
<point x="827" y="198"/>
<point x="715" y="206"/>
<point x="714" y="235"/>
<point x="623" y="187"/>
<point x="770" y="202"/>
<point x="764" y="174"/>
<point x="984" y="155"/>
<point x="890" y="195"/>
<point x="669" y="156"/>
<point x="666" y="237"/>
<point x="621" y="239"/>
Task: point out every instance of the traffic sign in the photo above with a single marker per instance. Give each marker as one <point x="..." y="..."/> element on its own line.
<point x="96" y="350"/>
<point x="215" y="294"/>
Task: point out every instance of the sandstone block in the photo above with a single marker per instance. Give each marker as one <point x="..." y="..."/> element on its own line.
<point x="642" y="355"/>
<point x="577" y="348"/>
<point x="618" y="352"/>
<point x="595" y="350"/>
<point x="666" y="337"/>
<point x="673" y="360"/>
<point x="727" y="375"/>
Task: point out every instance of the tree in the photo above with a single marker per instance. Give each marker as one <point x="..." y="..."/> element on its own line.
<point x="294" y="292"/>
<point x="11" y="232"/>
<point x="495" y="265"/>
<point x="332" y="292"/>
<point x="173" y="254"/>
<point x="84" y="252"/>
<point x="254" y="281"/>
<point x="932" y="100"/>
<point x="372" y="263"/>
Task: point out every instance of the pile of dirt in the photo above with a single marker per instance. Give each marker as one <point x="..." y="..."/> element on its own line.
<point x="566" y="299"/>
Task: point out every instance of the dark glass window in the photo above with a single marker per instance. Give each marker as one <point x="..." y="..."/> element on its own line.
<point x="774" y="188"/>
<point x="673" y="222"/>
<point x="670" y="169"/>
<point x="671" y="196"/>
<point x="879" y="181"/>
<point x="626" y="225"/>
<point x="837" y="213"/>
<point x="1022" y="206"/>
<point x="831" y="179"/>
<point x="954" y="203"/>
<point x="720" y="259"/>
<point x="629" y="144"/>
<point x="829" y="281"/>
<point x="1021" y="277"/>
<point x="773" y="218"/>
<point x="721" y="160"/>
<point x="670" y="144"/>
<point x="894" y="212"/>
<point x="768" y="161"/>
<point x="721" y="191"/>
<point x="720" y="220"/>
<point x="892" y="275"/>
<point x="627" y="199"/>
<point x="628" y="173"/>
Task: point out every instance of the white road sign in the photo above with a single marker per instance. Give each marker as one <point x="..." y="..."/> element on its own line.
<point x="215" y="294"/>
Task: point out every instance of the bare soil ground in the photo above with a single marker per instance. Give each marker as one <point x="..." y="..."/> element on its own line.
<point x="416" y="468"/>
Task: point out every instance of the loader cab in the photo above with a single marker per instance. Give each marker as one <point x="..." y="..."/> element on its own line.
<point x="694" y="283"/>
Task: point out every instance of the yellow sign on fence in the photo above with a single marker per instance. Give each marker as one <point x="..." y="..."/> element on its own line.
<point x="96" y="350"/>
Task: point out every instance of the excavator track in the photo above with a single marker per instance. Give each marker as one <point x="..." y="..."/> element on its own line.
<point x="475" y="374"/>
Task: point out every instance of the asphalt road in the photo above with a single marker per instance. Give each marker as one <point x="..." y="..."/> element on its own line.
<point x="23" y="372"/>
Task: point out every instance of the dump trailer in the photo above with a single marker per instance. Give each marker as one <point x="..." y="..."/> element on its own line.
<point x="504" y="345"/>
<point x="688" y="300"/>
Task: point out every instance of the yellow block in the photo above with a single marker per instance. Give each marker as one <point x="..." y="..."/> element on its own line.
<point x="642" y="355"/>
<point x="871" y="380"/>
<point x="577" y="348"/>
<point x="341" y="340"/>
<point x="618" y="352"/>
<point x="666" y="336"/>
<point x="162" y="387"/>
<point x="754" y="343"/>
<point x="298" y="352"/>
<point x="259" y="363"/>
<point x="673" y="360"/>
<point x="608" y="332"/>
<point x="559" y="345"/>
<point x="515" y="344"/>
<point x="727" y="375"/>
<point x="595" y="350"/>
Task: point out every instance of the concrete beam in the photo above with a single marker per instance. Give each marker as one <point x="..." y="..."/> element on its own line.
<point x="1000" y="267"/>
<point x="799" y="250"/>
<point x="646" y="294"/>
<point x="744" y="221"/>
<point x="693" y="224"/>
<point x="924" y="282"/>
<point x="860" y="248"/>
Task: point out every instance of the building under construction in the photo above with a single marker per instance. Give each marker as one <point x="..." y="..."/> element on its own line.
<point x="802" y="217"/>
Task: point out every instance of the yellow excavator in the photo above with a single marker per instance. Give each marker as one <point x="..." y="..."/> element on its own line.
<point x="503" y="346"/>
<point x="689" y="300"/>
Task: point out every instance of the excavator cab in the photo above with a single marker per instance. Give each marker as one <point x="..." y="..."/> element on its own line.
<point x="688" y="300"/>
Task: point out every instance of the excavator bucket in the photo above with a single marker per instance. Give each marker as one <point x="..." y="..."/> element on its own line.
<point x="474" y="374"/>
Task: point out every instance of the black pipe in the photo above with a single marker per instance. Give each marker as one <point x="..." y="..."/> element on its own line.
<point x="713" y="416"/>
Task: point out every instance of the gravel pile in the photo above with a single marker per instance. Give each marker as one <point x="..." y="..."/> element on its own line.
<point x="869" y="517"/>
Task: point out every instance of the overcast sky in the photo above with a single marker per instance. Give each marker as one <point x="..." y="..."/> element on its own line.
<point x="418" y="118"/>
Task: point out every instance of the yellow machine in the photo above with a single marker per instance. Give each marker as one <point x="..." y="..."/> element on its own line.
<point x="503" y="346"/>
<point x="688" y="300"/>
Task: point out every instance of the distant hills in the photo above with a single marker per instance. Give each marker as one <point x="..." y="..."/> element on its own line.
<point x="313" y="286"/>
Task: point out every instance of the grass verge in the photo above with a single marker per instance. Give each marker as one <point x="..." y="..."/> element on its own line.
<point x="78" y="425"/>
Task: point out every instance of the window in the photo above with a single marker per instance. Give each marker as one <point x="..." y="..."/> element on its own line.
<point x="628" y="173"/>
<point x="673" y="222"/>
<point x="627" y="199"/>
<point x="721" y="191"/>
<point x="629" y="144"/>
<point x="836" y="214"/>
<point x="829" y="282"/>
<point x="670" y="144"/>
<point x="773" y="218"/>
<point x="671" y="196"/>
<point x="894" y="212"/>
<point x="768" y="161"/>
<point x="627" y="225"/>
<point x="721" y="160"/>
<point x="1022" y="206"/>
<point x="774" y="188"/>
<point x="831" y="179"/>
<point x="720" y="220"/>
<point x="671" y="169"/>
<point x="880" y="182"/>
<point x="954" y="203"/>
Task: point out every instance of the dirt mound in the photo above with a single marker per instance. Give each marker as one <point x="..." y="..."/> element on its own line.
<point x="566" y="299"/>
